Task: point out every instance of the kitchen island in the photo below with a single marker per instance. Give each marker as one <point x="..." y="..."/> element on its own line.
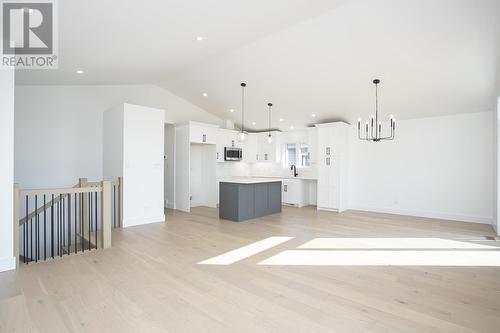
<point x="242" y="199"/>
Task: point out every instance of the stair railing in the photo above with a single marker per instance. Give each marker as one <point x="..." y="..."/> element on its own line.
<point x="64" y="221"/>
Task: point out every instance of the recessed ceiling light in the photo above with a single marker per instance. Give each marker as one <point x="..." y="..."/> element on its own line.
<point x="281" y="119"/>
<point x="199" y="38"/>
<point x="231" y="110"/>
<point x="205" y="94"/>
<point x="291" y="127"/>
<point x="313" y="115"/>
<point x="80" y="71"/>
<point x="254" y="123"/>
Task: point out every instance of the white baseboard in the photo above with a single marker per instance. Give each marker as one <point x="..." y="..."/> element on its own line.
<point x="426" y="214"/>
<point x="141" y="221"/>
<point x="7" y="264"/>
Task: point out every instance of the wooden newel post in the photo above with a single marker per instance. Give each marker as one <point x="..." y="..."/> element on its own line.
<point x="120" y="202"/>
<point x="82" y="182"/>
<point x="106" y="214"/>
<point x="16" y="223"/>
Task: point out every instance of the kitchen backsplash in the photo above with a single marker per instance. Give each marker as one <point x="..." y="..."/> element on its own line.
<point x="241" y="169"/>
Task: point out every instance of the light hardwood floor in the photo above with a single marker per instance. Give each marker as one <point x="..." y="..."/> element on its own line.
<point x="149" y="281"/>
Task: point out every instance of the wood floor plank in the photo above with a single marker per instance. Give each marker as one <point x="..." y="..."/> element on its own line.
<point x="149" y="281"/>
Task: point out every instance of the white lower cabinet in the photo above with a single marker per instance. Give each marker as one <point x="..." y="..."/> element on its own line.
<point x="332" y="162"/>
<point x="295" y="192"/>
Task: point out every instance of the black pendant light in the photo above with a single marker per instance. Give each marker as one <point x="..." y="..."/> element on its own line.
<point x="376" y="135"/>
<point x="242" y="135"/>
<point x="269" y="137"/>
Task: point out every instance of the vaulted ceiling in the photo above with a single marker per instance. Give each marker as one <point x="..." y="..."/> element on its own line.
<point x="434" y="57"/>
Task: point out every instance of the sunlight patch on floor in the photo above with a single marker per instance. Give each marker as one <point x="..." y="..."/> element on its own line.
<point x="368" y="252"/>
<point x="241" y="253"/>
<point x="391" y="243"/>
<point x="384" y="258"/>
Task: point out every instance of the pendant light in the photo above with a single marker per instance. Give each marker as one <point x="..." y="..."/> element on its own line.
<point x="377" y="136"/>
<point x="242" y="135"/>
<point x="269" y="137"/>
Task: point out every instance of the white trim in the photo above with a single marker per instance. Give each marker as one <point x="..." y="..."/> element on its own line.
<point x="7" y="264"/>
<point x="426" y="214"/>
<point x="327" y="209"/>
<point x="141" y="221"/>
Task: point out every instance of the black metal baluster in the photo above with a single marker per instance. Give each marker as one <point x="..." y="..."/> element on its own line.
<point x="76" y="209"/>
<point x="44" y="227"/>
<point x="26" y="232"/>
<point x="114" y="206"/>
<point x="119" y="203"/>
<point x="69" y="223"/>
<point x="81" y="222"/>
<point x="90" y="217"/>
<point x="36" y="228"/>
<point x="31" y="239"/>
<point x="63" y="224"/>
<point x="58" y="214"/>
<point x="95" y="218"/>
<point x="52" y="226"/>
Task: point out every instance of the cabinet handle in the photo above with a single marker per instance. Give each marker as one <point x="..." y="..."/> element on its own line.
<point x="204" y="138"/>
<point x="257" y="157"/>
<point x="285" y="188"/>
<point x="265" y="157"/>
<point x="328" y="161"/>
<point x="217" y="155"/>
<point x="308" y="155"/>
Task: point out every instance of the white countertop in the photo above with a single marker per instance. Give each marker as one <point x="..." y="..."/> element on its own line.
<point x="261" y="179"/>
<point x="250" y="180"/>
<point x="290" y="177"/>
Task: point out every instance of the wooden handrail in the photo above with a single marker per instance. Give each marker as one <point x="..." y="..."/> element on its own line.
<point x="40" y="209"/>
<point x="68" y="190"/>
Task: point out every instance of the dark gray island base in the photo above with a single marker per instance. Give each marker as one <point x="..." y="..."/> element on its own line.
<point x="249" y="199"/>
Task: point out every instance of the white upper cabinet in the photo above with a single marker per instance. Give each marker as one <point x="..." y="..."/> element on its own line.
<point x="333" y="161"/>
<point x="250" y="149"/>
<point x="202" y="133"/>
<point x="312" y="135"/>
<point x="269" y="152"/>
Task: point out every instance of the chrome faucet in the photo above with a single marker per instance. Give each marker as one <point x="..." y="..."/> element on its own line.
<point x="294" y="169"/>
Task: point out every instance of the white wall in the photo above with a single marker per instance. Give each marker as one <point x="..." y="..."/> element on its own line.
<point x="182" y="168"/>
<point x="58" y="129"/>
<point x="496" y="166"/>
<point x="143" y="192"/>
<point x="439" y="167"/>
<point x="112" y="147"/>
<point x="169" y="166"/>
<point x="7" y="260"/>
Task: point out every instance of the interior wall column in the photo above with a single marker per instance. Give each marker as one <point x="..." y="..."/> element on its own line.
<point x="7" y="260"/>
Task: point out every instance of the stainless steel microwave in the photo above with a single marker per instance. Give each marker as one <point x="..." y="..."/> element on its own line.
<point x="232" y="154"/>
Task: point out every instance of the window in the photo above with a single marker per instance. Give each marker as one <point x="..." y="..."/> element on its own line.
<point x="296" y="154"/>
<point x="291" y="154"/>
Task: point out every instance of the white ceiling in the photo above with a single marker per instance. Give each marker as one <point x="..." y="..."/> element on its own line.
<point x="130" y="41"/>
<point x="434" y="57"/>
